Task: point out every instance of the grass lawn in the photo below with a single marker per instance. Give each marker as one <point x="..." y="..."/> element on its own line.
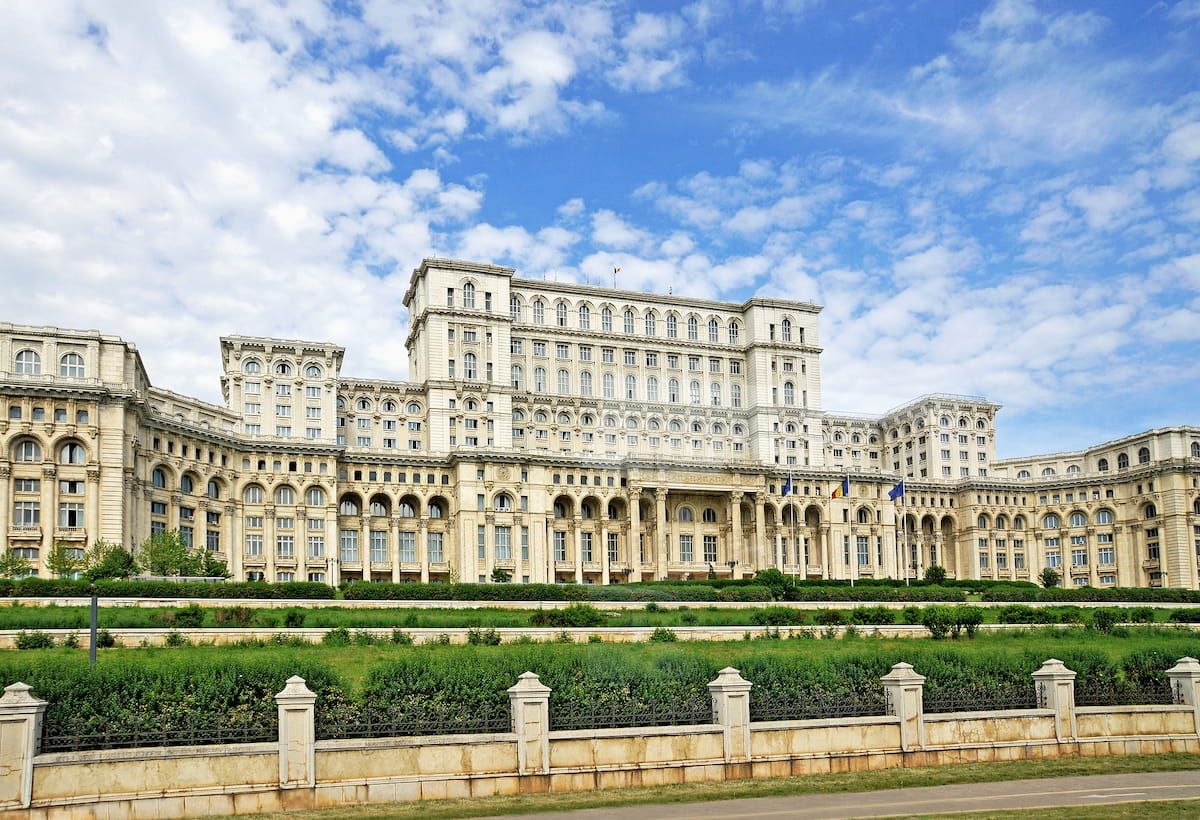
<point x="786" y="786"/>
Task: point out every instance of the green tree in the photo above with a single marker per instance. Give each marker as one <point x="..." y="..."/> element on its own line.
<point x="500" y="575"/>
<point x="108" y="560"/>
<point x="165" y="553"/>
<point x="203" y="564"/>
<point x="64" y="560"/>
<point x="1049" y="577"/>
<point x="13" y="566"/>
<point x="775" y="581"/>
<point x="935" y="574"/>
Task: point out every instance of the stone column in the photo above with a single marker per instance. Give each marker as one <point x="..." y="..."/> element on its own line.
<point x="423" y="547"/>
<point x="1056" y="691"/>
<point x="394" y="527"/>
<point x="605" y="568"/>
<point x="761" y="551"/>
<point x="905" y="691"/>
<point x="230" y="542"/>
<point x="333" y="546"/>
<point x="5" y="503"/>
<point x="731" y="710"/>
<point x="575" y="541"/>
<point x="20" y="732"/>
<point x="661" y="533"/>
<point x="529" y="700"/>
<point x="635" y="533"/>
<point x="49" y="513"/>
<point x="297" y="735"/>
<point x="269" y="544"/>
<point x="1185" y="684"/>
<point x="92" y="507"/>
<point x="736" y="550"/>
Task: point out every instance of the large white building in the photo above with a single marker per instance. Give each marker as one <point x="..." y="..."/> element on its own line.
<point x="565" y="433"/>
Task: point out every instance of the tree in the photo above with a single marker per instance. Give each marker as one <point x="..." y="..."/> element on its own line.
<point x="108" y="560"/>
<point x="1049" y="577"/>
<point x="500" y="575"/>
<point x="935" y="574"/>
<point x="775" y="581"/>
<point x="13" y="566"/>
<point x="164" y="553"/>
<point x="64" y="560"/>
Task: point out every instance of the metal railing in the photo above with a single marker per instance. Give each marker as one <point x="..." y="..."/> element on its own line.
<point x="816" y="704"/>
<point x="981" y="698"/>
<point x="61" y="740"/>
<point x="415" y="720"/>
<point x="1125" y="693"/>
<point x="630" y="713"/>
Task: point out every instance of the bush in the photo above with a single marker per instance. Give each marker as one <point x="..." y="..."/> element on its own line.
<point x="175" y="639"/>
<point x="34" y="640"/>
<point x="939" y="620"/>
<point x="663" y="635"/>
<point x="1185" y="616"/>
<point x="189" y="617"/>
<point x="745" y="593"/>
<point x="935" y="575"/>
<point x="293" y="618"/>
<point x="778" y="616"/>
<point x="829" y="617"/>
<point x="1105" y="619"/>
<point x="966" y="619"/>
<point x="483" y="637"/>
<point x="336" y="637"/>
<point x="580" y="615"/>
<point x="1142" y="615"/>
<point x="872" y="615"/>
<point x="401" y="638"/>
<point x="105" y="639"/>
<point x="689" y="619"/>
<point x="236" y="615"/>
<point x="71" y="641"/>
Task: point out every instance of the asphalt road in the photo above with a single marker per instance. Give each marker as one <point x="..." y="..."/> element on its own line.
<point x="1092" y="790"/>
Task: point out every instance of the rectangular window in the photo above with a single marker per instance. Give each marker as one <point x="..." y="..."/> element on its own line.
<point x="407" y="547"/>
<point x="70" y="515"/>
<point x="503" y="543"/>
<point x="585" y="546"/>
<point x="560" y="546"/>
<point x="1054" y="559"/>
<point x="685" y="548"/>
<point x="983" y="560"/>
<point x="481" y="541"/>
<point x="435" y="548"/>
<point x="1105" y="555"/>
<point x="710" y="549"/>
<point x="524" y="543"/>
<point x="312" y="392"/>
<point x="212" y="540"/>
<point x="316" y="546"/>
<point x="379" y="546"/>
<point x="863" y="548"/>
<point x="26" y="514"/>
<point x="1019" y="560"/>
<point x="613" y="546"/>
<point x="348" y="546"/>
<point x="285" y="546"/>
<point x="1079" y="558"/>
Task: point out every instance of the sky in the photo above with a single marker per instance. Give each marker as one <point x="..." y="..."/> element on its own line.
<point x="996" y="199"/>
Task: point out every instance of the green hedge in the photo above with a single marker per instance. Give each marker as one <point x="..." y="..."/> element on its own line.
<point x="107" y="588"/>
<point x="1093" y="594"/>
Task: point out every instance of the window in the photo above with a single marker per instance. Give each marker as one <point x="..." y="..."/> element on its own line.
<point x="436" y="555"/>
<point x="378" y="546"/>
<point x="630" y="357"/>
<point x="693" y="328"/>
<point x="26" y="514"/>
<point x="1078" y="519"/>
<point x="470" y="366"/>
<point x="254" y="545"/>
<point x="733" y="333"/>
<point x="673" y="390"/>
<point x="716" y="395"/>
<point x="685" y="548"/>
<point x="468" y="295"/>
<point x="312" y="372"/>
<point x="713" y="330"/>
<point x="283" y="369"/>
<point x="28" y="451"/>
<point x="1144" y="455"/>
<point x="560" y="314"/>
<point x="628" y="321"/>
<point x="285" y="496"/>
<point x="651" y="389"/>
<point x="1102" y="465"/>
<point x="585" y="317"/>
<point x="1051" y="522"/>
<point x="71" y="453"/>
<point x="789" y="393"/>
<point x="252" y="366"/>
<point x="1104" y="517"/>
<point x="651" y="324"/>
<point x="694" y="392"/>
<point x="71" y="366"/>
<point x="735" y="395"/>
<point x="785" y="330"/>
<point x="630" y="387"/>
<point x="610" y="386"/>
<point x="514" y="308"/>
<point x="539" y="379"/>
<point x="1122" y="461"/>
<point x="539" y="312"/>
<point x="29" y="363"/>
<point x="348" y="545"/>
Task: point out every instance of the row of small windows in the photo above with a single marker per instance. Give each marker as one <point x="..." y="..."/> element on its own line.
<point x="855" y="438"/>
<point x="608" y="388"/>
<point x="254" y="366"/>
<point x="15" y="413"/>
<point x="187" y="483"/>
<point x="350" y="504"/>
<point x="1103" y="465"/>
<point x="629" y="322"/>
<point x="29" y="362"/>
<point x="631" y="423"/>
<point x="1052" y="521"/>
<point x="387" y="405"/>
<point x="29" y="451"/>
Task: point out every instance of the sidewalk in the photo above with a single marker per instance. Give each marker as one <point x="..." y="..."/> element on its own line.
<point x="1092" y="790"/>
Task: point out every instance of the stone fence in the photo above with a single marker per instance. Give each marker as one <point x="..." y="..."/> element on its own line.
<point x="298" y="771"/>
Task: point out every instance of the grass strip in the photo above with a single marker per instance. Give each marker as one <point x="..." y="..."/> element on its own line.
<point x="1140" y="810"/>
<point x="771" y="787"/>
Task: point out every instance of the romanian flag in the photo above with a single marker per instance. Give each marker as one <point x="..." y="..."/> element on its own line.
<point x="787" y="486"/>
<point x="616" y="271"/>
<point x="842" y="489"/>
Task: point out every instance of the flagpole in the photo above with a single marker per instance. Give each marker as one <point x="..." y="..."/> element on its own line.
<point x="854" y="554"/>
<point x="904" y="527"/>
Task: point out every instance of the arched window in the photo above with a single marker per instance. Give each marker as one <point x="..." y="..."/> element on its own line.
<point x="503" y="502"/>
<point x="630" y="387"/>
<point x="694" y="392"/>
<point x="610" y="421"/>
<point x="187" y="486"/>
<point x="72" y="453"/>
<point x="560" y="510"/>
<point x="29" y="362"/>
<point x="628" y="321"/>
<point x="540" y="417"/>
<point x="709" y="516"/>
<point x="718" y="429"/>
<point x="315" y="497"/>
<point x="312" y="372"/>
<point x="349" y="506"/>
<point x="836" y="436"/>
<point x="651" y="324"/>
<point x="539" y="379"/>
<point x="585" y="317"/>
<point x="693" y="328"/>
<point x="585" y="383"/>
<point x="1051" y="522"/>
<point x="1001" y="522"/>
<point x="406" y="510"/>
<point x="1143" y="455"/>
<point x="363" y="404"/>
<point x="1122" y="461"/>
<point x="283" y="369"/>
<point x="27" y="451"/>
<point x="213" y="490"/>
<point x="685" y="515"/>
<point x="71" y="366"/>
<point x="606" y="320"/>
<point x="518" y="377"/>
<point x="564" y="418"/>
<point x="585" y="510"/>
<point x="651" y="388"/>
<point x="715" y="395"/>
<point x="714" y="329"/>
<point x="1150" y="512"/>
<point x="564" y="381"/>
<point x="285" y="496"/>
<point x="1049" y="471"/>
<point x="1196" y="449"/>
<point x="654" y="424"/>
<point x="414" y="408"/>
<point x="560" y="314"/>
<point x="944" y="421"/>
<point x="962" y="422"/>
<point x="864" y="517"/>
<point x="697" y="427"/>
<point x="672" y="326"/>
<point x="789" y="393"/>
<point x="587" y="419"/>
<point x="1074" y="468"/>
<point x="982" y="522"/>
<point x="539" y="312"/>
<point x="739" y="430"/>
<point x="436" y="510"/>
<point x="1104" y="517"/>
<point x="1102" y="465"/>
<point x="252" y="366"/>
<point x="470" y="366"/>
<point x="514" y="308"/>
<point x="610" y="386"/>
<point x="785" y="330"/>
<point x="1019" y="522"/>
<point x="468" y="294"/>
<point x="1077" y="519"/>
<point x="675" y="426"/>
<point x="673" y="390"/>
<point x="389" y="406"/>
<point x="251" y="495"/>
<point x="734" y="333"/>
<point x="379" y="509"/>
<point x="1023" y="474"/>
<point x="631" y="423"/>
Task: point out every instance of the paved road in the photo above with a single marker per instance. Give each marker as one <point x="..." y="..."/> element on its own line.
<point x="1092" y="790"/>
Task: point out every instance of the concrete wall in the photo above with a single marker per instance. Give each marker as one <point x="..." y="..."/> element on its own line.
<point x="300" y="772"/>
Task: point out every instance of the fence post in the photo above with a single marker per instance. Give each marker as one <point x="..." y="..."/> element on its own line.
<point x="529" y="700"/>
<point x="1056" y="691"/>
<point x="297" y="735"/>
<point x="731" y="709"/>
<point x="1185" y="685"/>
<point x="20" y="734"/>
<point x="905" y="691"/>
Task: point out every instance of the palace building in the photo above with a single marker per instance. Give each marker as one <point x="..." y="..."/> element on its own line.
<point x="565" y="433"/>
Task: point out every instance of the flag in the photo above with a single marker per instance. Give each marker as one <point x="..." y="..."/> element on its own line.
<point x="787" y="486"/>
<point x="842" y="489"/>
<point x="616" y="271"/>
<point x="896" y="491"/>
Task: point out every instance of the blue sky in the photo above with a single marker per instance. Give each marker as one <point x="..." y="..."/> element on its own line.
<point x="996" y="199"/>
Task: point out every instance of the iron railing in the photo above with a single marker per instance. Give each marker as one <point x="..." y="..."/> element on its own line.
<point x="1125" y="693"/>
<point x="415" y="720"/>
<point x="981" y="698"/>
<point x="141" y="736"/>
<point x="630" y="713"/>
<point x="816" y="704"/>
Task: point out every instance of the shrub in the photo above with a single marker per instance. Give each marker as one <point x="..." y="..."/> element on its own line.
<point x="935" y="575"/>
<point x="237" y="615"/>
<point x="872" y="615"/>
<point x="746" y="593"/>
<point x="483" y="637"/>
<point x="663" y="635"/>
<point x="829" y="617"/>
<point x="594" y="638"/>
<point x="71" y="641"/>
<point x="34" y="640"/>
<point x="777" y="616"/>
<point x="336" y="637"/>
<point x="581" y="615"/>
<point x="1142" y="615"/>
<point x="1105" y="619"/>
<point x="401" y="638"/>
<point x="1185" y="616"/>
<point x="689" y="619"/>
<point x="293" y="618"/>
<point x="441" y="640"/>
<point x="189" y="617"/>
<point x="966" y="619"/>
<point x="176" y="639"/>
<point x="105" y="639"/>
<point x="653" y="607"/>
<point x="938" y="620"/>
<point x="362" y="637"/>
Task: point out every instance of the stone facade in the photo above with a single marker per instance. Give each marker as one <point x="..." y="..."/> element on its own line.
<point x="565" y="433"/>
